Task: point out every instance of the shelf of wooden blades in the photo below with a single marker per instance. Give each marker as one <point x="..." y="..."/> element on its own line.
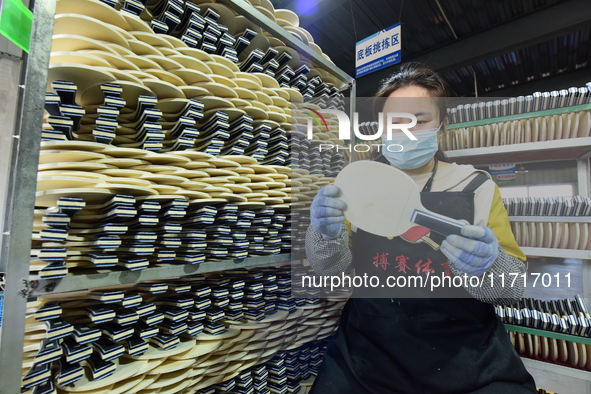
<point x="525" y="115"/>
<point x="549" y="334"/>
<point x="160" y="272"/>
<point x="553" y="219"/>
<point x="564" y="149"/>
<point x="560" y="253"/>
<point x="558" y="369"/>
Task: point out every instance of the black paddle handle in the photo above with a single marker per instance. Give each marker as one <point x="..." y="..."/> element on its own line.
<point x="438" y="223"/>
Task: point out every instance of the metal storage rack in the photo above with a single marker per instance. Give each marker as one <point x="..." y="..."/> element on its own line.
<point x="22" y="176"/>
<point x="548" y="367"/>
<point x="561" y="219"/>
<point x="578" y="149"/>
<point x="568" y="149"/>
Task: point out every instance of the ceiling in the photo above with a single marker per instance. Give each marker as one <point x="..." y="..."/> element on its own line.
<point x="510" y="47"/>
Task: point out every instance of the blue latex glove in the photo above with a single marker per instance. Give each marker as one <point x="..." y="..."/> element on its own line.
<point x="474" y="252"/>
<point x="326" y="212"/>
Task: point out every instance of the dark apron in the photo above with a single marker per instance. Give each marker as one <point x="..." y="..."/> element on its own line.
<point x="419" y="345"/>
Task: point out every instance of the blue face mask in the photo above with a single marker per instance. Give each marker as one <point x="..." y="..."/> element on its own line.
<point x="408" y="154"/>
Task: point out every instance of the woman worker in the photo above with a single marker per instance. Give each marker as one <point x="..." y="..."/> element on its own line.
<point x="422" y="345"/>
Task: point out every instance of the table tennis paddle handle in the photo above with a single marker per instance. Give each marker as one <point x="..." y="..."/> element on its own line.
<point x="442" y="224"/>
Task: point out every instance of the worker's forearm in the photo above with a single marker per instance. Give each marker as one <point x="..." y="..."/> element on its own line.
<point x="493" y="290"/>
<point x="328" y="256"/>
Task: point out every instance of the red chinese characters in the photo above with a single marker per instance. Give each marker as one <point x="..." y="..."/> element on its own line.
<point x="381" y="260"/>
<point x="401" y="265"/>
<point x="446" y="268"/>
<point x="424" y="267"/>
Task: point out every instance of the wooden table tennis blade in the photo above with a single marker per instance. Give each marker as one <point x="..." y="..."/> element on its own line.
<point x="374" y="203"/>
<point x="385" y="201"/>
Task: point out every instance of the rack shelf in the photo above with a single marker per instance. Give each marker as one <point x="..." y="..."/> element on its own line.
<point x="578" y="149"/>
<point x="21" y="183"/>
<point x="559" y="369"/>
<point x="549" y="334"/>
<point x="37" y="287"/>
<point x="560" y="253"/>
<point x="565" y="149"/>
<point x="553" y="219"/>
<point x="250" y="12"/>
<point x="526" y="115"/>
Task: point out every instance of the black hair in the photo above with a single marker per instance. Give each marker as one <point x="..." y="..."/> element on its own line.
<point x="414" y="74"/>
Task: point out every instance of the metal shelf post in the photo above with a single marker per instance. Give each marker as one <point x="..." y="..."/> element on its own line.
<point x="351" y="117"/>
<point x="584" y="189"/>
<point x="18" y="220"/>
